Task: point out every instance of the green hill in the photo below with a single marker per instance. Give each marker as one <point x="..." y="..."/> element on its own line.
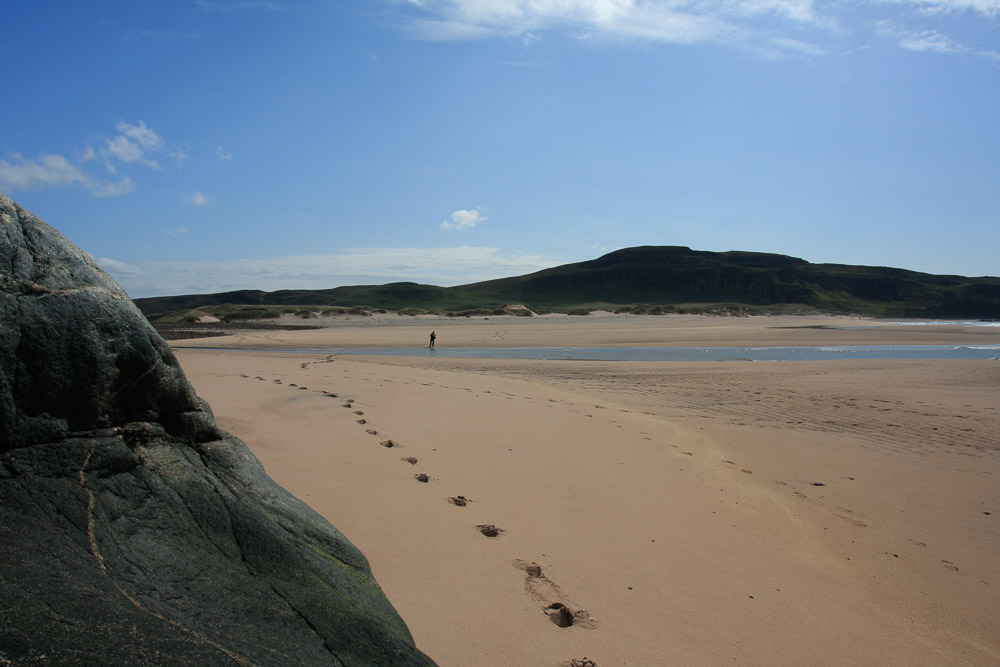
<point x="676" y="276"/>
<point x="393" y="296"/>
<point x="656" y="279"/>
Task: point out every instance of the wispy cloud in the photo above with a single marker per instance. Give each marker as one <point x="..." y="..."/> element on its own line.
<point x="770" y="28"/>
<point x="931" y="41"/>
<point x="988" y="8"/>
<point x="676" y="21"/>
<point x="353" y="266"/>
<point x="44" y="170"/>
<point x="47" y="171"/>
<point x="462" y="220"/>
<point x="199" y="199"/>
<point x="222" y="154"/>
<point x="133" y="144"/>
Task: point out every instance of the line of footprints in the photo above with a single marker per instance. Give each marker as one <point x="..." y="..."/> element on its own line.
<point x="536" y="584"/>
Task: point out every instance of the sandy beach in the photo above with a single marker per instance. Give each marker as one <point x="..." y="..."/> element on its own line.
<point x="696" y="513"/>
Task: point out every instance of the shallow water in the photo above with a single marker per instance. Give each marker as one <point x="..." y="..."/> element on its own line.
<point x="803" y="353"/>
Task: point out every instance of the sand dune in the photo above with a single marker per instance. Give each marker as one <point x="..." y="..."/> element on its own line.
<point x="645" y="514"/>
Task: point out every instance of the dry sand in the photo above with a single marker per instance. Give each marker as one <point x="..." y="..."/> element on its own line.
<point x="683" y="513"/>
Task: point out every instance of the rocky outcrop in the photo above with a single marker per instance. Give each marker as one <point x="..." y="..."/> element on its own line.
<point x="132" y="529"/>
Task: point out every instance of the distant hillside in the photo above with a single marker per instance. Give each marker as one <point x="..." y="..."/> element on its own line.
<point x="674" y="275"/>
<point x="393" y="296"/>
<point x="673" y="278"/>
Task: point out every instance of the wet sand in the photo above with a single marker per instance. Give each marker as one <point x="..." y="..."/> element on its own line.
<point x="646" y="513"/>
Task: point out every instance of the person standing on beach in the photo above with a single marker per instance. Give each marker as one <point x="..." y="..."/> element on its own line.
<point x="433" y="338"/>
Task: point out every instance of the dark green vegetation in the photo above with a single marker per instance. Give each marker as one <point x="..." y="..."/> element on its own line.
<point x="653" y="280"/>
<point x="357" y="300"/>
<point x="133" y="530"/>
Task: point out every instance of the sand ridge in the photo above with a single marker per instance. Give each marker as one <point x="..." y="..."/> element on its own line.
<point x="646" y="513"/>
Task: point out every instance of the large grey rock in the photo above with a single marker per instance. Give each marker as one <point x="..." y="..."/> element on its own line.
<point x="132" y="529"/>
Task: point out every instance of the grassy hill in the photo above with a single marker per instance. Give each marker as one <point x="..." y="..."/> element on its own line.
<point x="679" y="276"/>
<point x="645" y="279"/>
<point x="393" y="296"/>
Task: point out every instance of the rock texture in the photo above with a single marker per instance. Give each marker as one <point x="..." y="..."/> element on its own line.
<point x="132" y="529"/>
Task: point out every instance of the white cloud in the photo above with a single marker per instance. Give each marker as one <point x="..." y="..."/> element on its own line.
<point x="140" y="134"/>
<point x="353" y="266"/>
<point x="931" y="41"/>
<point x="462" y="220"/>
<point x="199" y="199"/>
<point x="54" y="171"/>
<point x="679" y="21"/>
<point x="44" y="170"/>
<point x="770" y="28"/>
<point x="121" y="148"/>
<point x="136" y="143"/>
<point x="989" y="8"/>
<point x="224" y="155"/>
<point x="177" y="231"/>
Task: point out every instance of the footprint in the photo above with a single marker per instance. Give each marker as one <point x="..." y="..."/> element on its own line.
<point x="564" y="617"/>
<point x="362" y="421"/>
<point x="390" y="444"/>
<point x="412" y="460"/>
<point x="951" y="566"/>
<point x="536" y="584"/>
<point x="458" y="501"/>
<point x="532" y="569"/>
<point x="560" y="614"/>
<point x="489" y="530"/>
<point x="422" y="477"/>
<point x="371" y="431"/>
<point x="541" y="588"/>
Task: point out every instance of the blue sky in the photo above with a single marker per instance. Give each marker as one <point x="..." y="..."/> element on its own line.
<point x="208" y="145"/>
